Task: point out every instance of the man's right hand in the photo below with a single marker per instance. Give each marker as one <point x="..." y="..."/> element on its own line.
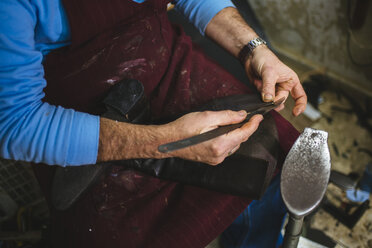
<point x="120" y="140"/>
<point x="216" y="150"/>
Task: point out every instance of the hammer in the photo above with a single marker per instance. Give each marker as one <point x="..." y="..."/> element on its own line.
<point x="305" y="175"/>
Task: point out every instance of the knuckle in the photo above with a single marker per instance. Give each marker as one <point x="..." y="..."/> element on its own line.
<point x="248" y="133"/>
<point x="213" y="162"/>
<point x="195" y="113"/>
<point x="246" y="138"/>
<point x="230" y="113"/>
<point x="268" y="87"/>
<point x="269" y="69"/>
<point x="254" y="128"/>
<point x="216" y="150"/>
<point x="220" y="160"/>
<point x="217" y="160"/>
<point x="207" y="114"/>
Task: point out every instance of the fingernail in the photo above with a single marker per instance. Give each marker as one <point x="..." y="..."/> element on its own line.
<point x="258" y="118"/>
<point x="242" y="112"/>
<point x="268" y="97"/>
<point x="297" y="112"/>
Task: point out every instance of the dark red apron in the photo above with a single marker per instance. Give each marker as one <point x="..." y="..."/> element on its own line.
<point x="117" y="39"/>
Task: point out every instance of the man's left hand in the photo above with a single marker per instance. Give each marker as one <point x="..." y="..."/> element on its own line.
<point x="274" y="79"/>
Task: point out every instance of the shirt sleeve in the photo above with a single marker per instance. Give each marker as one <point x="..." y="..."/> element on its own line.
<point x="201" y="12"/>
<point x="32" y="130"/>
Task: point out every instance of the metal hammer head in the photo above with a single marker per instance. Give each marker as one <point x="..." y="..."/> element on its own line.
<point x="306" y="172"/>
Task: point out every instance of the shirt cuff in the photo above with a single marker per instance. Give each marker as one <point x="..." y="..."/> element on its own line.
<point x="83" y="146"/>
<point x="200" y="13"/>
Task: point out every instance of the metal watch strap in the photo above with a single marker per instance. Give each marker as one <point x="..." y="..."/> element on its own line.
<point x="247" y="49"/>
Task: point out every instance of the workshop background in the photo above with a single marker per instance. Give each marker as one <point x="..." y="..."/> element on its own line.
<point x="328" y="43"/>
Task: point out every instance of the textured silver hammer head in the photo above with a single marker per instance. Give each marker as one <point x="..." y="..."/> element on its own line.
<point x="306" y="172"/>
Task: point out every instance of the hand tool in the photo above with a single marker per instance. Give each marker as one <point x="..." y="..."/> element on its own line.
<point x="194" y="140"/>
<point x="304" y="180"/>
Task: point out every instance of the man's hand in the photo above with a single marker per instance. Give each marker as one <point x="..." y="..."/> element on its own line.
<point x="216" y="150"/>
<point x="120" y="140"/>
<point x="264" y="69"/>
<point x="274" y="79"/>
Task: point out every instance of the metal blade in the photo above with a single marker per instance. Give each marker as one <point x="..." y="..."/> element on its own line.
<point x="197" y="139"/>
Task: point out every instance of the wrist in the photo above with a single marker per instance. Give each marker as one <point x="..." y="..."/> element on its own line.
<point x="162" y="134"/>
<point x="121" y="140"/>
<point x="257" y="57"/>
<point x="147" y="138"/>
<point x="246" y="52"/>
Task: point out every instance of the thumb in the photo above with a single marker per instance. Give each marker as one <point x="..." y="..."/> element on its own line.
<point x="215" y="119"/>
<point x="226" y="117"/>
<point x="269" y="78"/>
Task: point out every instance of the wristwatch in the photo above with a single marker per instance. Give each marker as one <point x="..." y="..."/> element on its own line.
<point x="247" y="49"/>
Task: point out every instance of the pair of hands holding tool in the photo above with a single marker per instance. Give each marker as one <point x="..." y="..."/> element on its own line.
<point x="272" y="78"/>
<point x="125" y="141"/>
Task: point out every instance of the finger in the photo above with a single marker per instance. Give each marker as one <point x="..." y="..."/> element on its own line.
<point x="227" y="117"/>
<point x="258" y="83"/>
<point x="249" y="128"/>
<point x="281" y="94"/>
<point x="299" y="95"/>
<point x="228" y="142"/>
<point x="269" y="78"/>
<point x="280" y="107"/>
<point x="214" y="119"/>
<point x="221" y="146"/>
<point x="231" y="152"/>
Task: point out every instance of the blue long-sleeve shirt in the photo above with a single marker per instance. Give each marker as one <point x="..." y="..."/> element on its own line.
<point x="32" y="130"/>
